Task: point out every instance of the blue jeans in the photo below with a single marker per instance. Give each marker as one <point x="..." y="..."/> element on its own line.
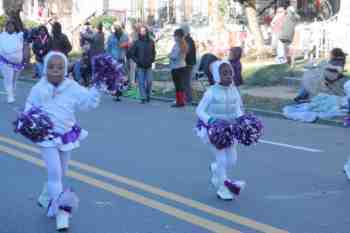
<point x="39" y="68"/>
<point x="144" y="78"/>
<point x="303" y="94"/>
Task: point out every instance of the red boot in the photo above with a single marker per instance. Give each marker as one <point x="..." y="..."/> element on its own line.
<point x="179" y="100"/>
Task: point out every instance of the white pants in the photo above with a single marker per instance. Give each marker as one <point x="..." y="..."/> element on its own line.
<point x="225" y="159"/>
<point x="132" y="72"/>
<point x="10" y="76"/>
<point x="57" y="165"/>
<point x="281" y="53"/>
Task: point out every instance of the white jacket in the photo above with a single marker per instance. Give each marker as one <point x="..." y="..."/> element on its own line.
<point x="11" y="46"/>
<point x="220" y="102"/>
<point x="60" y="103"/>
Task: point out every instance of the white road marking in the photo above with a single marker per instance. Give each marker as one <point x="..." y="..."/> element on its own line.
<point x="291" y="146"/>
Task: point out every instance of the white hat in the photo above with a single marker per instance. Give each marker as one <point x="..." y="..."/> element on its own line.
<point x="216" y="69"/>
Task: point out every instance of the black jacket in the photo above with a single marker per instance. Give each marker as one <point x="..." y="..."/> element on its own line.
<point x="191" y="57"/>
<point x="143" y="52"/>
<point x="41" y="48"/>
<point x="61" y="43"/>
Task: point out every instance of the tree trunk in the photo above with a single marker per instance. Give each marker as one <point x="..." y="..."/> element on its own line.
<point x="13" y="9"/>
<point x="254" y="26"/>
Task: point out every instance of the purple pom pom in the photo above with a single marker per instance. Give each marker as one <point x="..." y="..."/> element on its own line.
<point x="221" y="134"/>
<point x="248" y="129"/>
<point x="108" y="73"/>
<point x="347" y="121"/>
<point x="34" y="125"/>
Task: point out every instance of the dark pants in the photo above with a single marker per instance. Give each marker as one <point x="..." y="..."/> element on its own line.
<point x="179" y="76"/>
<point x="188" y="84"/>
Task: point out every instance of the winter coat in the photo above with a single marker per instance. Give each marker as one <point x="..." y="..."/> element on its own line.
<point x="143" y="52"/>
<point x="191" y="57"/>
<point x="61" y="43"/>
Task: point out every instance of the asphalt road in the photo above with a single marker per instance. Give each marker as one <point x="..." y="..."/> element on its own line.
<point x="142" y="170"/>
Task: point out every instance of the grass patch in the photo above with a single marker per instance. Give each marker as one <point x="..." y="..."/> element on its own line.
<point x="268" y="75"/>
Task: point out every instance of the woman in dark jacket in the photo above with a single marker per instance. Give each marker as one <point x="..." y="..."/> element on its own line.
<point x="60" y="41"/>
<point x="41" y="46"/>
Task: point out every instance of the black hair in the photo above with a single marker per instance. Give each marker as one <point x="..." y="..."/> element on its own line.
<point x="56" y="29"/>
<point x="100" y="27"/>
<point x="43" y="27"/>
<point x="339" y="55"/>
<point x="179" y="33"/>
<point x="13" y="22"/>
<point x="204" y="65"/>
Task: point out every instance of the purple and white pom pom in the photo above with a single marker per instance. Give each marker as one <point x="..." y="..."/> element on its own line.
<point x="347" y="121"/>
<point x="34" y="125"/>
<point x="108" y="73"/>
<point x="248" y="129"/>
<point x="221" y="134"/>
<point x="67" y="201"/>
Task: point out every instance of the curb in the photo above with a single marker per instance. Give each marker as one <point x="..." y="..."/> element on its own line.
<point x="257" y="111"/>
<point x="266" y="113"/>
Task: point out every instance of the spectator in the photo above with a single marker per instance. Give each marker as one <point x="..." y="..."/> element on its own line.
<point x="60" y="41"/>
<point x="133" y="37"/>
<point x="276" y="25"/>
<point x="235" y="60"/>
<point x="330" y="73"/>
<point x="143" y="53"/>
<point x="178" y="66"/>
<point x="205" y="66"/>
<point x="118" y="43"/>
<point x="191" y="60"/>
<point x="41" y="46"/>
<point x="97" y="42"/>
<point x="86" y="35"/>
<point x="287" y="35"/>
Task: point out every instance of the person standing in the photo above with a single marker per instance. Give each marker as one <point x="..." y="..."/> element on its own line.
<point x="143" y="53"/>
<point x="191" y="60"/>
<point x="11" y="57"/>
<point x="178" y="66"/>
<point x="60" y="41"/>
<point x="276" y="25"/>
<point x="41" y="46"/>
<point x="118" y="43"/>
<point x="133" y="37"/>
<point x="287" y="35"/>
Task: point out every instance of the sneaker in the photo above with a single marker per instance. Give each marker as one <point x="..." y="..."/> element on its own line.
<point x="214" y="179"/>
<point x="143" y="101"/>
<point x="347" y="171"/>
<point x="224" y="194"/>
<point x="62" y="220"/>
<point x="148" y="99"/>
<point x="235" y="187"/>
<point x="44" y="199"/>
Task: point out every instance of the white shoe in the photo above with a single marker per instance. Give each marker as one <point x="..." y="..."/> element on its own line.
<point x="224" y="194"/>
<point x="10" y="99"/>
<point x="235" y="187"/>
<point x="347" y="171"/>
<point x="62" y="220"/>
<point x="214" y="179"/>
<point x="44" y="199"/>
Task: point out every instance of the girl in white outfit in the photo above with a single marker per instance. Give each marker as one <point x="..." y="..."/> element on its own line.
<point x="11" y="58"/>
<point x="221" y="102"/>
<point x="59" y="97"/>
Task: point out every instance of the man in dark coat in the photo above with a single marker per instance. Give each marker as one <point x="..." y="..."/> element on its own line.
<point x="143" y="53"/>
